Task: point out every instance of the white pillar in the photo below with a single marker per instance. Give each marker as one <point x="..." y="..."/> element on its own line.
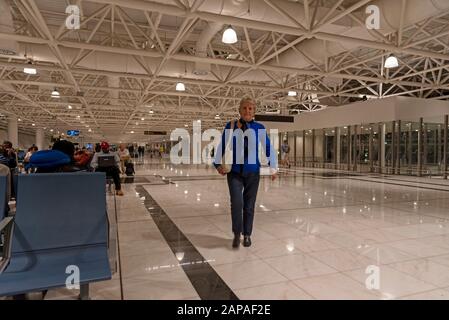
<point x="13" y="131"/>
<point x="338" y="142"/>
<point x="40" y="138"/>
<point x="382" y="147"/>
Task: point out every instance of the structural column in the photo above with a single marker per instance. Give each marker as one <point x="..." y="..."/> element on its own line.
<point x="398" y="155"/>
<point x="303" y="148"/>
<point x="445" y="146"/>
<point x="382" y="147"/>
<point x="349" y="148"/>
<point x="13" y="131"/>
<point x="370" y="149"/>
<point x="354" y="147"/>
<point x="337" y="142"/>
<point x="393" y="147"/>
<point x="40" y="138"/>
<point x="313" y="148"/>
<point x="409" y="148"/>
<point x="294" y="147"/>
<point x="420" y="146"/>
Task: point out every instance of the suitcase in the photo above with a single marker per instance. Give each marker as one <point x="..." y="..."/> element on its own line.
<point x="129" y="168"/>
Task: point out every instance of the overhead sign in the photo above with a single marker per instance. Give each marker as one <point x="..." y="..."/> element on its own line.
<point x="155" y="133"/>
<point x="73" y="133"/>
<point x="274" y="118"/>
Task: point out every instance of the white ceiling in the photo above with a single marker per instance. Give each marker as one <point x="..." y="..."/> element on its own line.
<point x="128" y="55"/>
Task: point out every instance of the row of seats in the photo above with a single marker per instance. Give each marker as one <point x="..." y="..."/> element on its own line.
<point x="60" y="227"/>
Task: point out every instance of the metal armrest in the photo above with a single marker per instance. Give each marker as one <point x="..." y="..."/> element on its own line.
<point x="6" y="224"/>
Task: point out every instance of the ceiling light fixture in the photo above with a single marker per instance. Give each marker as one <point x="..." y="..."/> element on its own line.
<point x="292" y="93"/>
<point x="55" y="94"/>
<point x="29" y="69"/>
<point x="229" y="36"/>
<point x="391" y="62"/>
<point x="151" y="112"/>
<point x="180" y="86"/>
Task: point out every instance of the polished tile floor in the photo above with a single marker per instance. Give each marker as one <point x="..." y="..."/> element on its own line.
<point x="317" y="235"/>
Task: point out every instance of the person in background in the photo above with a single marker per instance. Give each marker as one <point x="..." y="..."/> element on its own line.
<point x="131" y="150"/>
<point x="10" y="155"/>
<point x="82" y="159"/>
<point x="113" y="171"/>
<point x="11" y="162"/>
<point x="285" y="150"/>
<point x="26" y="160"/>
<point x="123" y="153"/>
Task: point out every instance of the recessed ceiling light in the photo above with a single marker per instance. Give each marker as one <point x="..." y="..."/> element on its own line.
<point x="51" y="130"/>
<point x="132" y="132"/>
<point x="151" y="111"/>
<point x="70" y="107"/>
<point x="143" y="119"/>
<point x="292" y="93"/>
<point x="33" y="124"/>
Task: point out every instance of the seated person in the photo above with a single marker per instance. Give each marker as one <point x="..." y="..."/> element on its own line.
<point x="83" y="158"/>
<point x="59" y="159"/>
<point x="111" y="170"/>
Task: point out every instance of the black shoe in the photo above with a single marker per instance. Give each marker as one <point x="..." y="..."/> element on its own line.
<point x="236" y="241"/>
<point x="246" y="241"/>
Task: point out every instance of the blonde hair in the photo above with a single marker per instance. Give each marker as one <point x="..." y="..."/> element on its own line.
<point x="247" y="99"/>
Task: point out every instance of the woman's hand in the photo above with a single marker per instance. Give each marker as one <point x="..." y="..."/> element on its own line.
<point x="273" y="176"/>
<point x="221" y="170"/>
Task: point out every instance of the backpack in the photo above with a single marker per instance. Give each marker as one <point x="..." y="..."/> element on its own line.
<point x="129" y="171"/>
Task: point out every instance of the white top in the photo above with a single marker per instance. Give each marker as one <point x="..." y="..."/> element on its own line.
<point x="124" y="153"/>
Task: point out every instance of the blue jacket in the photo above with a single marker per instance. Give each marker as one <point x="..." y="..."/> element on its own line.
<point x="247" y="151"/>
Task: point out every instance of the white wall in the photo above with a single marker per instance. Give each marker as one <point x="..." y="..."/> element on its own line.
<point x="371" y="111"/>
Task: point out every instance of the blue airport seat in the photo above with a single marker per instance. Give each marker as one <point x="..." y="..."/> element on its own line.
<point x="61" y="220"/>
<point x="3" y="197"/>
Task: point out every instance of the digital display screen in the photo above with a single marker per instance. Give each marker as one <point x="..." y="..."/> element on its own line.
<point x="73" y="133"/>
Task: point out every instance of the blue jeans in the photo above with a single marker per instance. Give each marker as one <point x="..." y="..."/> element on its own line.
<point x="243" y="192"/>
